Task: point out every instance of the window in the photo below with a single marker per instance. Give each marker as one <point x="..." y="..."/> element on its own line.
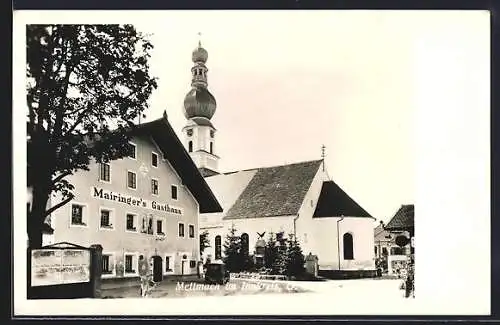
<point x="181" y="230"/>
<point x="154" y="159"/>
<point x="375" y="250"/>
<point x="384" y="251"/>
<point x="211" y="147"/>
<point x="244" y="243"/>
<point x="107" y="268"/>
<point x="191" y="231"/>
<point x="154" y="186"/>
<point x="212" y="133"/>
<point x="190" y="146"/>
<point x="144" y="225"/>
<point x="77" y="214"/>
<point x="150" y="226"/>
<point x="106" y="218"/>
<point x="131" y="180"/>
<point x="129" y="263"/>
<point x="167" y="264"/>
<point x="192" y="264"/>
<point x="190" y="132"/>
<point x="397" y="251"/>
<point x="159" y="227"/>
<point x="104" y="172"/>
<point x="174" y="192"/>
<point x="218" y="248"/>
<point x="131" y="222"/>
<point x="132" y="150"/>
<point x="348" y="247"/>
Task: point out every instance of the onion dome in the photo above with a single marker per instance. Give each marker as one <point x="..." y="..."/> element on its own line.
<point x="199" y="102"/>
<point x="200" y="54"/>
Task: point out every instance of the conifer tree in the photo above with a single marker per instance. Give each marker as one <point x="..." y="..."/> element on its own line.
<point x="232" y="250"/>
<point x="294" y="258"/>
<point x="271" y="251"/>
<point x="281" y="262"/>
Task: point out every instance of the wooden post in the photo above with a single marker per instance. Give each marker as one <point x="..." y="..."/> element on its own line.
<point x="95" y="270"/>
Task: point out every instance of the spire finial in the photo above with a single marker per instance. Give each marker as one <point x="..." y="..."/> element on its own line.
<point x="199" y="39"/>
<point x="323" y="155"/>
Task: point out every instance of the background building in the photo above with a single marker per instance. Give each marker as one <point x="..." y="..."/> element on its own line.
<point x="401" y="224"/>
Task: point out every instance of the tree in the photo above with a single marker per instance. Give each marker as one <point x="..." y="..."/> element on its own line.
<point x="271" y="252"/>
<point x="294" y="259"/>
<point x="86" y="84"/>
<point x="204" y="241"/>
<point x="281" y="261"/>
<point x="232" y="250"/>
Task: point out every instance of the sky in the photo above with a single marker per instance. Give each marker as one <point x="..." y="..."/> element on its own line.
<point x="287" y="83"/>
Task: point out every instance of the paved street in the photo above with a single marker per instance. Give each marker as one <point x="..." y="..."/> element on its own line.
<point x="331" y="297"/>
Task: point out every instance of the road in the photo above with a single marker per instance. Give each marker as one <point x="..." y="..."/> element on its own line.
<point x="198" y="288"/>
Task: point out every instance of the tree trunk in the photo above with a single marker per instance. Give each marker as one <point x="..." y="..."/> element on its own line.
<point x="36" y="218"/>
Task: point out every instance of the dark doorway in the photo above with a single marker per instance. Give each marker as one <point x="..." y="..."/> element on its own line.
<point x="157" y="268"/>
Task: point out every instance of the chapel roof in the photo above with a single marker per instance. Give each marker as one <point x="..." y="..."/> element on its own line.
<point x="334" y="202"/>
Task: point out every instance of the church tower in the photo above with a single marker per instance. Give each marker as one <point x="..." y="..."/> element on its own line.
<point x="199" y="107"/>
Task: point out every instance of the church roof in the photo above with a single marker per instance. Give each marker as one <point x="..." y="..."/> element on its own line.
<point x="403" y="219"/>
<point x="334" y="202"/>
<point x="274" y="191"/>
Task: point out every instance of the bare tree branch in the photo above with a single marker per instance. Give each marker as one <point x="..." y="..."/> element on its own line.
<point x="60" y="177"/>
<point x="60" y="204"/>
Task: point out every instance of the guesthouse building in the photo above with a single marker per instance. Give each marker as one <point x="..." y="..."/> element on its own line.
<point x="147" y="203"/>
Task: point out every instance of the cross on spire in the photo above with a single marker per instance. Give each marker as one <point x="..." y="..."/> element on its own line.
<point x="323" y="155"/>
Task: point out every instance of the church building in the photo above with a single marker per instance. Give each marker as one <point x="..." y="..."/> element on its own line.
<point x="298" y="198"/>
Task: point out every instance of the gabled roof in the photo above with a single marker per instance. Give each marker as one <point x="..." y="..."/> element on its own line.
<point x="163" y="134"/>
<point x="403" y="219"/>
<point x="334" y="202"/>
<point x="275" y="191"/>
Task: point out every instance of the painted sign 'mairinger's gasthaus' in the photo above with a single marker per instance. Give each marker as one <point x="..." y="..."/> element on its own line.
<point x="145" y="204"/>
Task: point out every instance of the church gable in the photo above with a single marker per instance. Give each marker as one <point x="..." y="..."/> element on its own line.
<point x="275" y="191"/>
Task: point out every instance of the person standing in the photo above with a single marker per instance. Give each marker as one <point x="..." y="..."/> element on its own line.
<point x="200" y="269"/>
<point x="144" y="275"/>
